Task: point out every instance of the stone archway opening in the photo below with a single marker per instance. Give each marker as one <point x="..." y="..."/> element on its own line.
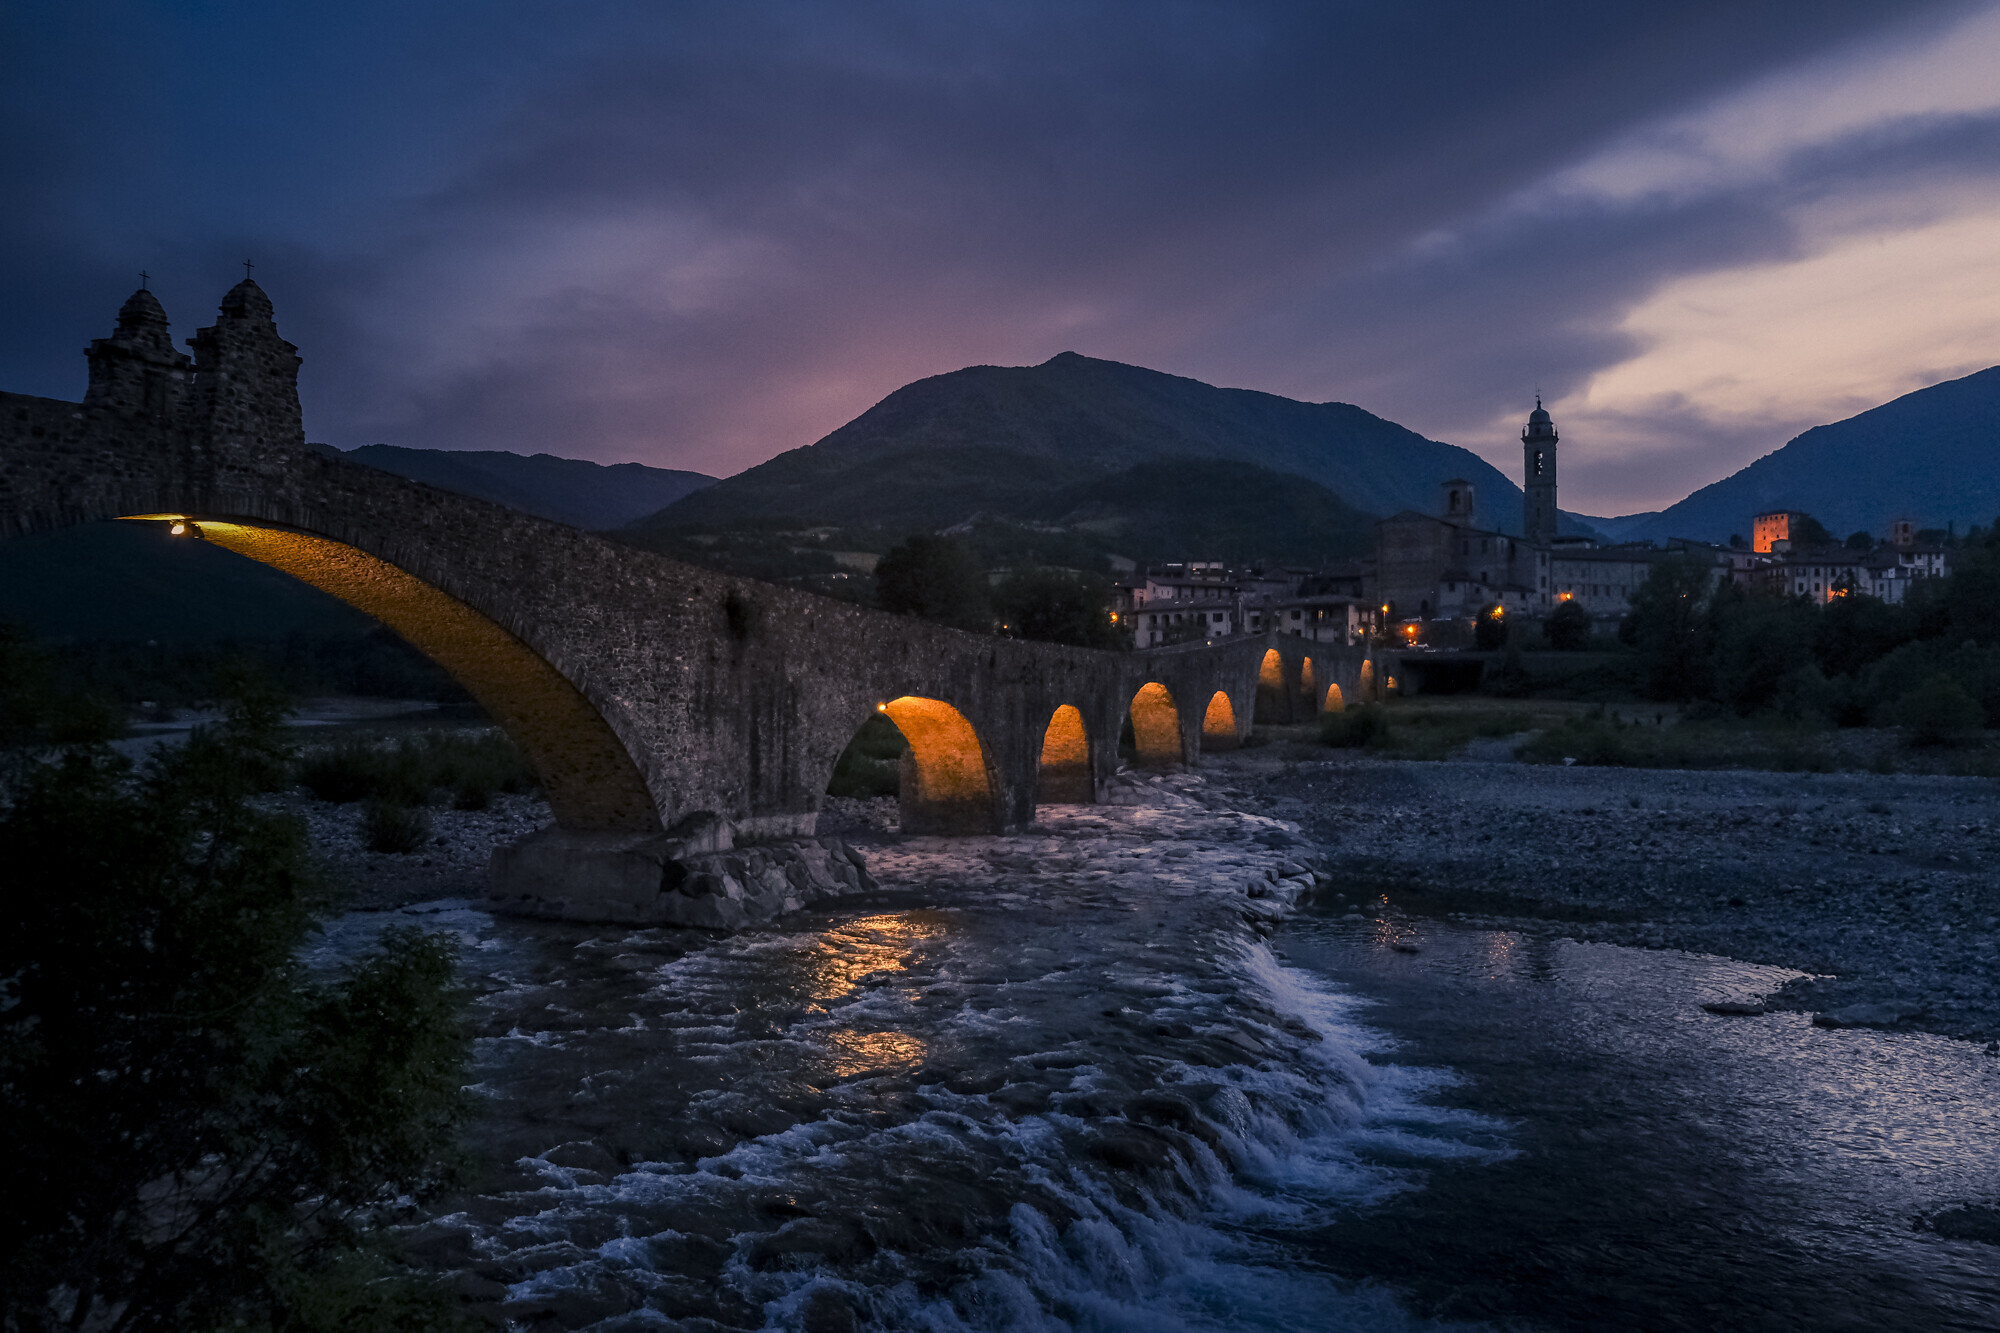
<point x="1156" y="727"/>
<point x="947" y="784"/>
<point x="1218" y="724"/>
<point x="1271" y="689"/>
<point x="1308" y="687"/>
<point x="590" y="779"/>
<point x="1365" y="687"/>
<point x="1064" y="776"/>
<point x="1334" y="702"/>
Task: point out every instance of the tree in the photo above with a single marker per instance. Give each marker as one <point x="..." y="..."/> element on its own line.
<point x="937" y="578"/>
<point x="1939" y="712"/>
<point x="1489" y="629"/>
<point x="1860" y="541"/>
<point x="1668" y="624"/>
<point x="1059" y="606"/>
<point x="1810" y="533"/>
<point x="1568" y="627"/>
<point x="200" y="1132"/>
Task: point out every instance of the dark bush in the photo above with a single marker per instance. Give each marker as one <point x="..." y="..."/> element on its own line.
<point x="1939" y="712"/>
<point x="389" y="826"/>
<point x="1568" y="628"/>
<point x="340" y="773"/>
<point x="470" y="766"/>
<point x="1362" y="726"/>
<point x="202" y="1131"/>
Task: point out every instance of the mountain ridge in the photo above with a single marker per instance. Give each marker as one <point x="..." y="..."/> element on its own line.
<point x="1932" y="455"/>
<point x="1074" y="417"/>
<point x="567" y="490"/>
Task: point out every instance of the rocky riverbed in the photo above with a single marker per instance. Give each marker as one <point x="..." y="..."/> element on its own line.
<point x="1885" y="887"/>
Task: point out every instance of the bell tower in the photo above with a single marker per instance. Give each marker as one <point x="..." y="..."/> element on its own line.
<point x="1538" y="478"/>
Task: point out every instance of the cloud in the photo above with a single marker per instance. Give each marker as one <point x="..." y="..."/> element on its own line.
<point x="697" y="235"/>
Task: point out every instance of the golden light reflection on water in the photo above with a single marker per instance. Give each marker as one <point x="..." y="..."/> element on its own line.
<point x="857" y="1052"/>
<point x="843" y="956"/>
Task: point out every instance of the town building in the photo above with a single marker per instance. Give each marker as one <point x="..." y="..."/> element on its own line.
<point x="1185" y="601"/>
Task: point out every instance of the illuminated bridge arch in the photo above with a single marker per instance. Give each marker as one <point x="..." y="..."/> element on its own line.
<point x="1156" y="727"/>
<point x="948" y="784"/>
<point x="1063" y="775"/>
<point x="1218" y="724"/>
<point x="1334" y="702"/>
<point x="588" y="776"/>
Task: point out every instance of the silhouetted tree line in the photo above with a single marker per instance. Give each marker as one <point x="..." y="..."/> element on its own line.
<point x="1931" y="663"/>
<point x="939" y="578"/>
<point x="378" y="664"/>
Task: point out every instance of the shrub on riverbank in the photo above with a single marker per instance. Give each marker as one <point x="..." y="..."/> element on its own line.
<point x="465" y="767"/>
<point x="389" y="826"/>
<point x="201" y="1132"/>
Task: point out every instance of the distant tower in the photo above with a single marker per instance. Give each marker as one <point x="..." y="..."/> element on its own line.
<point x="136" y="372"/>
<point x="1538" y="478"/>
<point x="1455" y="502"/>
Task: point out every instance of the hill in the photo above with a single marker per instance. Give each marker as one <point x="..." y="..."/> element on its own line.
<point x="1000" y="438"/>
<point x="1932" y="456"/>
<point x="568" y="490"/>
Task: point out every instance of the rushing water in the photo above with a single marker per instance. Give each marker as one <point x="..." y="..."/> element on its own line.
<point x="1070" y="1085"/>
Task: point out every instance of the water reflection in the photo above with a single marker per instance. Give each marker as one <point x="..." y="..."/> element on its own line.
<point x="847" y="955"/>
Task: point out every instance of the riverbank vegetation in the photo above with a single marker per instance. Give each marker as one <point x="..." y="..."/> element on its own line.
<point x="202" y="1129"/>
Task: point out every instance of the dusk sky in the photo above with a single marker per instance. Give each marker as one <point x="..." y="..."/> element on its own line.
<point x="695" y="235"/>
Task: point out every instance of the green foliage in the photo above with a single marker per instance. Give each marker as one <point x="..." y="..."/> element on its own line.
<point x="391" y="826"/>
<point x="1489" y="629"/>
<point x="872" y="763"/>
<point x="35" y="711"/>
<point x="936" y="578"/>
<point x="1059" y="606"/>
<point x="1939" y="712"/>
<point x="200" y="1131"/>
<point x="1363" y="726"/>
<point x="1860" y="541"/>
<point x="1760" y="649"/>
<point x="1568" y="628"/>
<point x="1668" y="625"/>
<point x="1604" y="741"/>
<point x="1810" y="532"/>
<point x="415" y="770"/>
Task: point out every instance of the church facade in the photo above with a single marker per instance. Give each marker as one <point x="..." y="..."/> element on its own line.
<point x="1447" y="566"/>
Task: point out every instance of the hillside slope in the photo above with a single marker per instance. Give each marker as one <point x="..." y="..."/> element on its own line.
<point x="1000" y="437"/>
<point x="1932" y="456"/>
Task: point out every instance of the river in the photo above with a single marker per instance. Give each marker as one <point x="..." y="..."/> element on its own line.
<point x="1096" y="1077"/>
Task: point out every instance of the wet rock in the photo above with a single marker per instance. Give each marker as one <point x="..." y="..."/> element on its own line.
<point x="1131" y="1148"/>
<point x="1737" y="1008"/>
<point x="838" y="1240"/>
<point x="1973" y="1221"/>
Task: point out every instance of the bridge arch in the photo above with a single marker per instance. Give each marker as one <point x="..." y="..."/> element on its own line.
<point x="1365" y="687"/>
<point x="1064" y="776"/>
<point x="948" y="782"/>
<point x="586" y="771"/>
<point x="1308" y="688"/>
<point x="1156" y="727"/>
<point x="1334" y="702"/>
<point x="1218" y="724"/>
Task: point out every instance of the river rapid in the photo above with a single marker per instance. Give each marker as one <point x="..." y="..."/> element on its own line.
<point x="1107" y="1074"/>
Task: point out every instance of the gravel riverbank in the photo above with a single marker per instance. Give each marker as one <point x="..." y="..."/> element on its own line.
<point x="1882" y="886"/>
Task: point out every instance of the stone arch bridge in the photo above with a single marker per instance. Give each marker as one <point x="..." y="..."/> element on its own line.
<point x="656" y="699"/>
